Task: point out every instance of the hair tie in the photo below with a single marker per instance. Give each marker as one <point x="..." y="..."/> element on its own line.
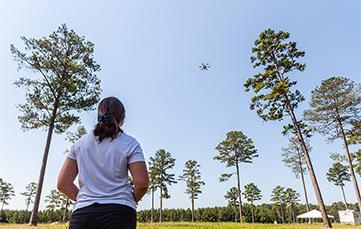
<point x="104" y="118"/>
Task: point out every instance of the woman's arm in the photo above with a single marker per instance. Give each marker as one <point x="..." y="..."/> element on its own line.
<point x="67" y="175"/>
<point x="140" y="178"/>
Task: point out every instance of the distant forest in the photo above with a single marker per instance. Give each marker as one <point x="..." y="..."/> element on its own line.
<point x="264" y="213"/>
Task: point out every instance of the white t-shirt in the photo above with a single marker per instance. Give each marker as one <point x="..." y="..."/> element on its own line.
<point x="103" y="169"/>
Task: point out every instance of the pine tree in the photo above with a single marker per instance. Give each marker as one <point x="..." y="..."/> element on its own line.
<point x="152" y="188"/>
<point x="53" y="200"/>
<point x="236" y="148"/>
<point x="293" y="158"/>
<point x="335" y="106"/>
<point x="67" y="83"/>
<point x="30" y="192"/>
<point x="232" y="198"/>
<point x="158" y="167"/>
<point x="279" y="200"/>
<point x="279" y="59"/>
<point x="292" y="198"/>
<point x="252" y="193"/>
<point x="6" y="192"/>
<point x="338" y="175"/>
<point x="192" y="176"/>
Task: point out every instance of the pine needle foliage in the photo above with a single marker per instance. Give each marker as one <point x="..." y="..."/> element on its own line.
<point x="278" y="60"/>
<point x="338" y="174"/>
<point x="335" y="105"/>
<point x="68" y="82"/>
<point x="236" y="148"/>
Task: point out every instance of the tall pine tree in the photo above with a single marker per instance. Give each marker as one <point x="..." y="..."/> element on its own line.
<point x="67" y="83"/>
<point x="279" y="59"/>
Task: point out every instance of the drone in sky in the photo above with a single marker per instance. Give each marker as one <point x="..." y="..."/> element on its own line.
<point x="204" y="66"/>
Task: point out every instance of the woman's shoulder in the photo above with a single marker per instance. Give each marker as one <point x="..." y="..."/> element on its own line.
<point x="126" y="137"/>
<point x="129" y="143"/>
<point x="127" y="140"/>
<point x="85" y="138"/>
<point x="89" y="135"/>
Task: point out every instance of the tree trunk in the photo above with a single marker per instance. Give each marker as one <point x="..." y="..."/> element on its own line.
<point x="282" y="214"/>
<point x="2" y="206"/>
<point x="152" y="205"/>
<point x="349" y="162"/>
<point x="66" y="208"/>
<point x="192" y="208"/>
<point x="34" y="213"/>
<point x="51" y="212"/>
<point x="235" y="213"/>
<point x="61" y="210"/>
<point x="252" y="212"/>
<point x="344" y="197"/>
<point x="304" y="187"/>
<point x="239" y="192"/>
<point x="290" y="212"/>
<point x="321" y="204"/>
<point x="26" y="213"/>
<point x="160" y="212"/>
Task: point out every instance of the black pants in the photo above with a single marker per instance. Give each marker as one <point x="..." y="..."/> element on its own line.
<point x="104" y="216"/>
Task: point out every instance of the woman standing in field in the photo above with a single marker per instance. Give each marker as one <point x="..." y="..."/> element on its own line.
<point x="102" y="158"/>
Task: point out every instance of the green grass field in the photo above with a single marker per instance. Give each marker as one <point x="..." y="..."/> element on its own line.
<point x="185" y="225"/>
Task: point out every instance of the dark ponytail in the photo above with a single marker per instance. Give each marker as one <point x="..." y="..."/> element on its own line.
<point x="110" y="113"/>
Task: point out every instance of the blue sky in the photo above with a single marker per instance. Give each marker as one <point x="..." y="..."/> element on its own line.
<point x="149" y="53"/>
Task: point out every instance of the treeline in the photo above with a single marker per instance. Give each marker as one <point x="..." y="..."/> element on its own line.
<point x="264" y="213"/>
<point x="45" y="216"/>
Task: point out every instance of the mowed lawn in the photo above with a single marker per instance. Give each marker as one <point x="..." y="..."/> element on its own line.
<point x="184" y="225"/>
